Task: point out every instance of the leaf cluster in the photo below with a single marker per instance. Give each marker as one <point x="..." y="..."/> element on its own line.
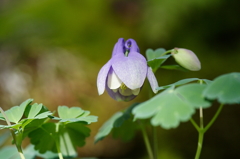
<point x="68" y="131"/>
<point x="177" y="102"/>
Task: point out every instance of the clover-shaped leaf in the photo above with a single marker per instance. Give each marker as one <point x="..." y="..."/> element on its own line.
<point x="68" y="113"/>
<point x="225" y="88"/>
<point x="75" y="132"/>
<point x="172" y="106"/>
<point x="121" y="125"/>
<point x="153" y="54"/>
<point x="15" y="113"/>
<point x="34" y="110"/>
<point x="156" y="58"/>
<point x="46" y="137"/>
<point x="74" y="114"/>
<point x="192" y="93"/>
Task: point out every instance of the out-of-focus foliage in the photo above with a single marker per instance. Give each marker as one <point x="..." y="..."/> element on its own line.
<point x="52" y="51"/>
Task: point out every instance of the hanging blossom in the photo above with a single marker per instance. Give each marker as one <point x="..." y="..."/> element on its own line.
<point x="124" y="74"/>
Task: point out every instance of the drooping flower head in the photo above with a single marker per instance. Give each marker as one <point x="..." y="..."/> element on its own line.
<point x="124" y="74"/>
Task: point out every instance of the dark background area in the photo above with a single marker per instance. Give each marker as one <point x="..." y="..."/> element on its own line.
<point x="52" y="50"/>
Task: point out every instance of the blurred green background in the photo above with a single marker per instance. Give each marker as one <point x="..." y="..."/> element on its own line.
<point x="52" y="50"/>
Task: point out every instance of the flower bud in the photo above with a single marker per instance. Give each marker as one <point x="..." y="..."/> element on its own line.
<point x="186" y="58"/>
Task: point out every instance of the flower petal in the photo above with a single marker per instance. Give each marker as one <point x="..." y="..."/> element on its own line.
<point x="130" y="43"/>
<point x="119" y="48"/>
<point x="102" y="76"/>
<point x="118" y="97"/>
<point x="113" y="81"/>
<point x="152" y="80"/>
<point x="131" y="70"/>
<point x="136" y="91"/>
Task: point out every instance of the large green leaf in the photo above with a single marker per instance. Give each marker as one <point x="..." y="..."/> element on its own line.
<point x="72" y="135"/>
<point x="44" y="138"/>
<point x="192" y="93"/>
<point x="172" y="106"/>
<point x="126" y="131"/>
<point x="121" y="124"/>
<point x="9" y="152"/>
<point x="225" y="88"/>
<point x="107" y="127"/>
<point x="69" y="136"/>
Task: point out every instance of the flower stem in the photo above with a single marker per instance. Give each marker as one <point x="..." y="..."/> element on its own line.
<point x="200" y="134"/>
<point x="146" y="141"/>
<point x="58" y="143"/>
<point x="165" y="53"/>
<point x="214" y="118"/>
<point x="200" y="143"/>
<point x="201" y="129"/>
<point x="19" y="148"/>
<point x="155" y="142"/>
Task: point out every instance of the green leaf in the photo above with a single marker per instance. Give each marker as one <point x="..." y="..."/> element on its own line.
<point x="24" y="104"/>
<point x="151" y="54"/>
<point x="174" y="67"/>
<point x="3" y="137"/>
<point x="126" y="131"/>
<point x="74" y="114"/>
<point x="107" y="127"/>
<point x="14" y="126"/>
<point x="15" y="113"/>
<point x="207" y="81"/>
<point x="31" y="124"/>
<point x="157" y="62"/>
<point x="69" y="135"/>
<point x="69" y="113"/>
<point x="44" y="137"/>
<point x="166" y="109"/>
<point x="125" y="116"/>
<point x="121" y="124"/>
<point x="225" y="88"/>
<point x="9" y="152"/>
<point x="43" y="115"/>
<point x="74" y="133"/>
<point x="156" y="58"/>
<point x="193" y="94"/>
<point x="34" y="110"/>
<point x="178" y="83"/>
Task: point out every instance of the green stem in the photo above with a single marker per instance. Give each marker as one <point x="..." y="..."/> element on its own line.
<point x="19" y="148"/>
<point x="194" y="124"/>
<point x="169" y="51"/>
<point x="57" y="143"/>
<point x="146" y="141"/>
<point x="200" y="143"/>
<point x="200" y="134"/>
<point x="214" y="118"/>
<point x="155" y="142"/>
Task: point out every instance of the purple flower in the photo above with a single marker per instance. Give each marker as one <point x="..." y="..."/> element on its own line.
<point x="124" y="74"/>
